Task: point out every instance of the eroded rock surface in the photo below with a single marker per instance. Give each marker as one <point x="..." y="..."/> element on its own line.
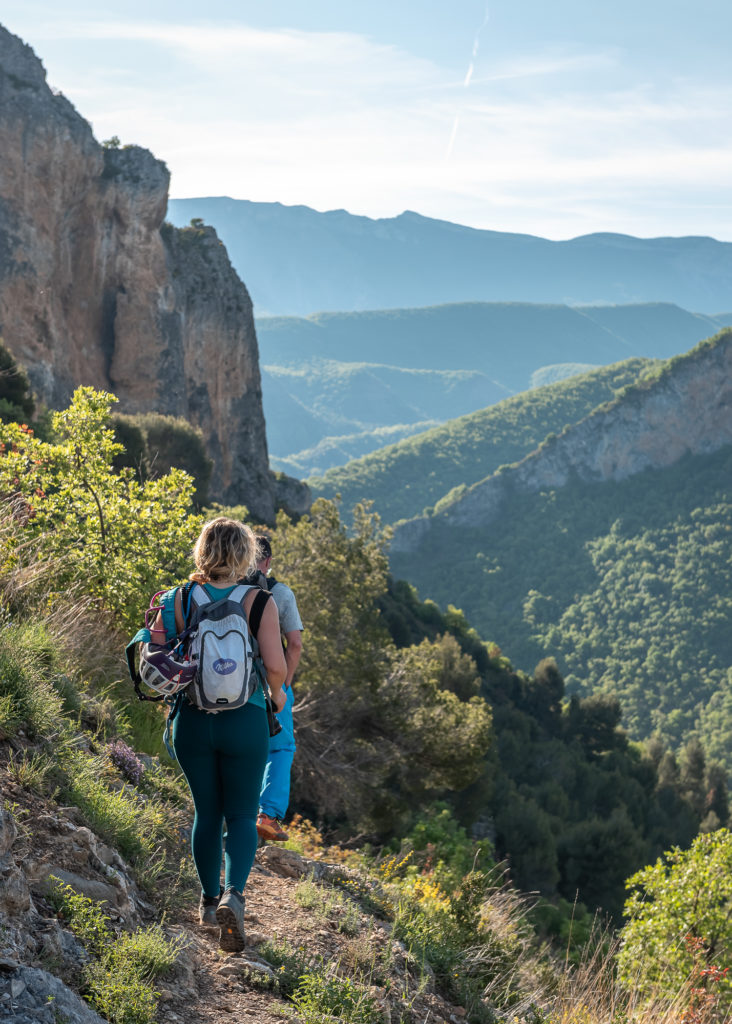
<point x="96" y="289"/>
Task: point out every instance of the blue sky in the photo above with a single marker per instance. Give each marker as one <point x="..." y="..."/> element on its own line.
<point x="555" y="119"/>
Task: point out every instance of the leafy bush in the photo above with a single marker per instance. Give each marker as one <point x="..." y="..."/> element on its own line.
<point x="16" y="400"/>
<point x="106" y="532"/>
<point x="321" y="998"/>
<point x="154" y="444"/>
<point x="679" y="923"/>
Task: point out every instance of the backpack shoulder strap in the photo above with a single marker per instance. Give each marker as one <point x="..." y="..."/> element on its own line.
<point x="257" y="611"/>
<point x="167" y="607"/>
<point x="271" y="581"/>
<point x="186" y="599"/>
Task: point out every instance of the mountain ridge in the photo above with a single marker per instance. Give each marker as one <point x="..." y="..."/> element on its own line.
<point x="297" y="260"/>
<point x="645" y="426"/>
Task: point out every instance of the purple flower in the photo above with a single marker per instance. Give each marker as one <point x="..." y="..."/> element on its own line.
<point x="126" y="761"/>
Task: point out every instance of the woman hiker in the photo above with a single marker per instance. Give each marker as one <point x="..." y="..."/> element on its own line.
<point x="223" y="754"/>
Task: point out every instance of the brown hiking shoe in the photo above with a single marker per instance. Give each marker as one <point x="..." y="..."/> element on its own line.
<point x="271" y="828"/>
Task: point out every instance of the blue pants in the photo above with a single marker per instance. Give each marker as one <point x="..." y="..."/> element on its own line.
<point x="275" y="795"/>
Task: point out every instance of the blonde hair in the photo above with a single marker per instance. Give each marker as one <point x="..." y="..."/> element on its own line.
<point x="225" y="550"/>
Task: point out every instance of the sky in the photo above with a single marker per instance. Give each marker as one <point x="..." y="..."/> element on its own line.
<point x="553" y="119"/>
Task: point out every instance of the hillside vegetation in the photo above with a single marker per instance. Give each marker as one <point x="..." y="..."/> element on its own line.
<point x="508" y="341"/>
<point x="405" y="478"/>
<point x="317" y="409"/>
<point x="626" y="582"/>
<point x="394" y="702"/>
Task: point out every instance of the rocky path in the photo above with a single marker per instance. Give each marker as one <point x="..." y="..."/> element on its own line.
<point x="41" y="960"/>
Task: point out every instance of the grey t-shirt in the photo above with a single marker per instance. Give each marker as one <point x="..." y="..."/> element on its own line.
<point x="286" y="608"/>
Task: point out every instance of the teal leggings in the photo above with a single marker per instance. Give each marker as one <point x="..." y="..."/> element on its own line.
<point x="223" y="758"/>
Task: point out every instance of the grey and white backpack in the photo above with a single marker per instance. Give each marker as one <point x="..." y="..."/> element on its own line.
<point x="219" y="642"/>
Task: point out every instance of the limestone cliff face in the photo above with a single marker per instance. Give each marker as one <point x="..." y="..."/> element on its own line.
<point x="688" y="409"/>
<point x="95" y="289"/>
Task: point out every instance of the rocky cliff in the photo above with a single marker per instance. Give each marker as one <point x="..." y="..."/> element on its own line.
<point x="687" y="408"/>
<point x="96" y="289"/>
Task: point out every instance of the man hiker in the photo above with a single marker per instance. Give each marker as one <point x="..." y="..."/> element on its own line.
<point x="275" y="794"/>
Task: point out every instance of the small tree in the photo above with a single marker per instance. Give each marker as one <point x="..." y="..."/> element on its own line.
<point x="116" y="538"/>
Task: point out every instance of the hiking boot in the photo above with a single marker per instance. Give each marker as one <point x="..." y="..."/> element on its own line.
<point x="230" y="919"/>
<point x="271" y="828"/>
<point x="207" y="910"/>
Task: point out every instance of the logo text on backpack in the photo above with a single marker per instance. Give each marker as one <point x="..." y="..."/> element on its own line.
<point x="224" y="666"/>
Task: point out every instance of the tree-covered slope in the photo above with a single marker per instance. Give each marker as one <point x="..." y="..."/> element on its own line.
<point x="611" y="548"/>
<point x="334" y="375"/>
<point x="403" y="479"/>
<point x="628" y="584"/>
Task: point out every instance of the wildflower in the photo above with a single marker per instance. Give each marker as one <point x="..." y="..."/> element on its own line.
<point x="126" y="761"/>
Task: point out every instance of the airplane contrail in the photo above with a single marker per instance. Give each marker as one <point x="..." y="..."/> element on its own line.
<point x="468" y="77"/>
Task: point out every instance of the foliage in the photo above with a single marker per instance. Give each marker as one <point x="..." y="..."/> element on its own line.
<point x="28" y="697"/>
<point x="118" y="979"/>
<point x="571" y="804"/>
<point x="154" y="444"/>
<point x="679" y="921"/>
<point x="384" y="722"/>
<point x="328" y="906"/>
<point x="321" y="998"/>
<point x="289" y="963"/>
<point x="16" y="399"/>
<point x="405" y="478"/>
<point x="117" y="538"/>
<point x="135" y="825"/>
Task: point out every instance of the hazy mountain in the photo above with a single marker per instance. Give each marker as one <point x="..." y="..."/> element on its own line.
<point x="337" y="376"/>
<point x="296" y="260"/>
<point x="508" y="341"/>
<point x="325" y="412"/>
<point x="405" y="478"/>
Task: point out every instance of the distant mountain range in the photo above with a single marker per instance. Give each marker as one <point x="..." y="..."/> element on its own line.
<point x="339" y="385"/>
<point x="297" y="261"/>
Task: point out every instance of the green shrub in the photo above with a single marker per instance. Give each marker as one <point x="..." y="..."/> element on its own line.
<point x="16" y="400"/>
<point x="321" y="999"/>
<point x="154" y="444"/>
<point x="108" y="535"/>
<point x="118" y="980"/>
<point x="290" y="964"/>
<point x="679" y="922"/>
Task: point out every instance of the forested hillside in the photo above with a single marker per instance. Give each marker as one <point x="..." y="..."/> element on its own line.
<point x="321" y="413"/>
<point x="405" y="478"/>
<point x="508" y="341"/>
<point x="626" y="581"/>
